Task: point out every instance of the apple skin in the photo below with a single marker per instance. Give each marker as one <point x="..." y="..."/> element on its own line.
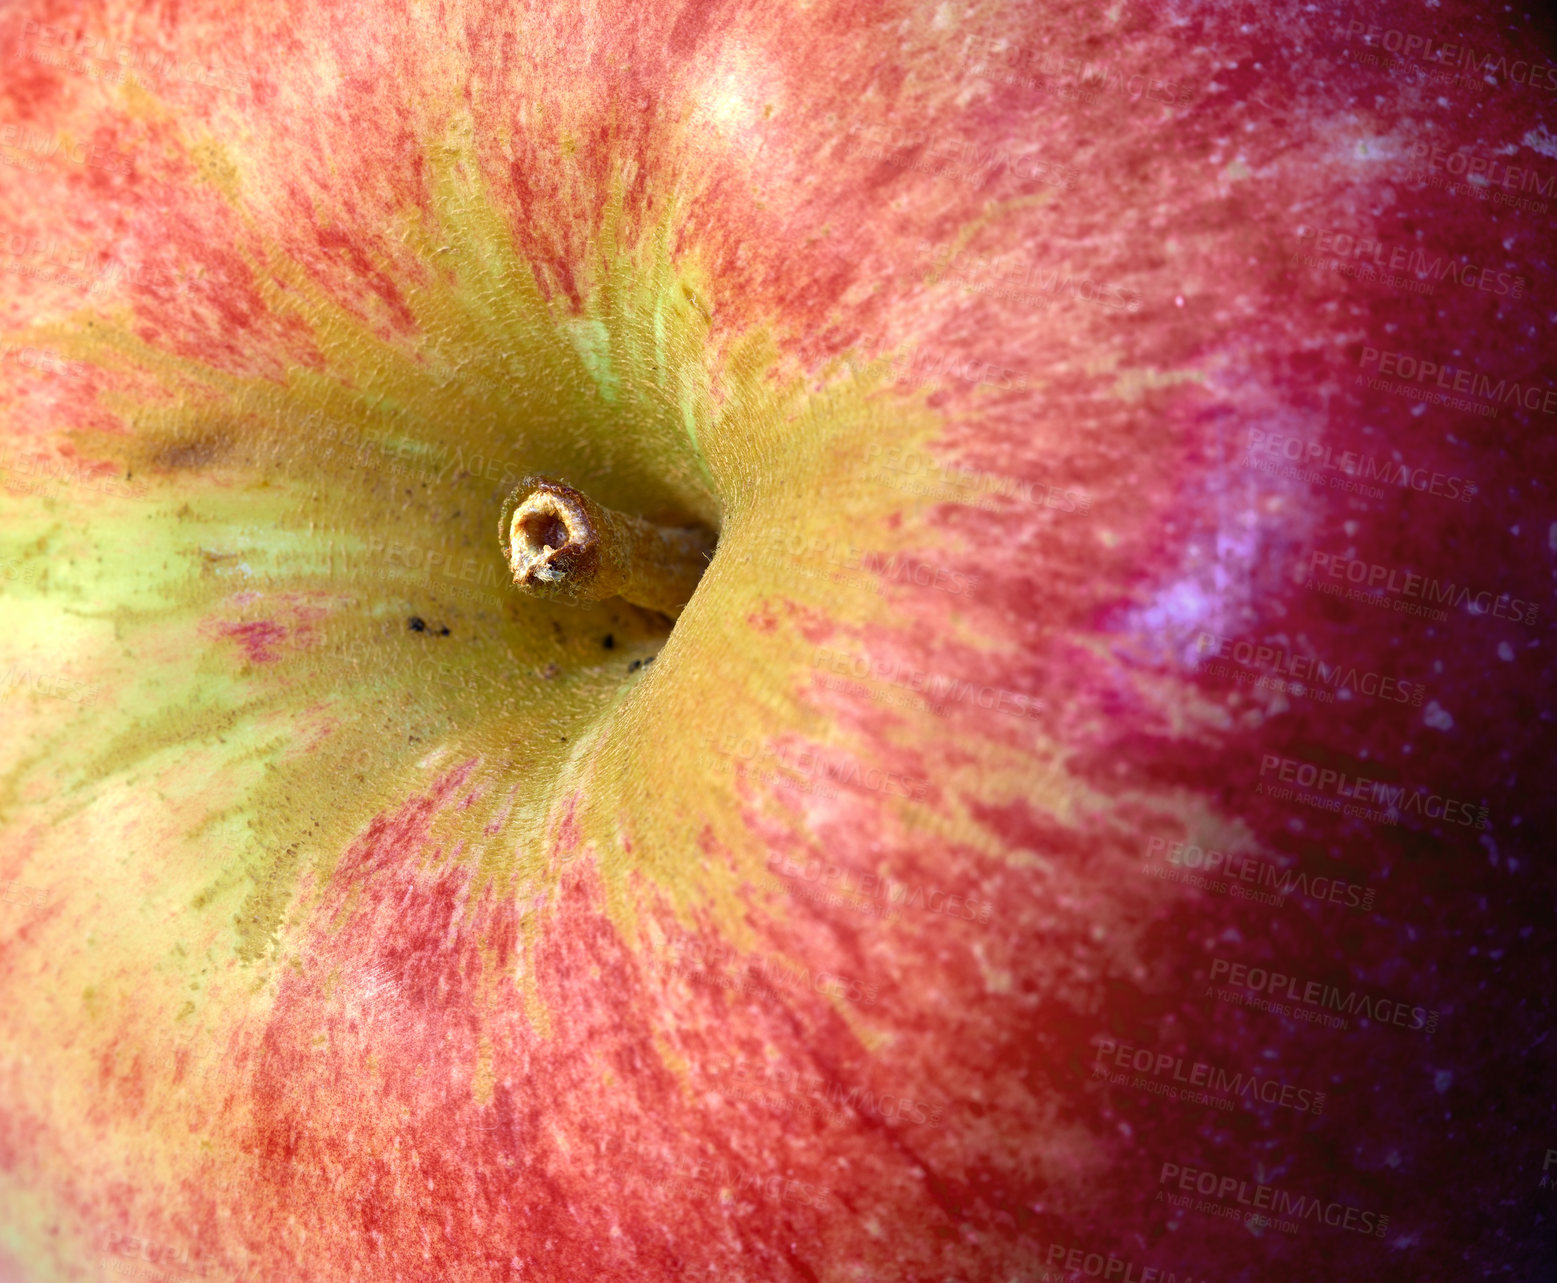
<point x="345" y="948"/>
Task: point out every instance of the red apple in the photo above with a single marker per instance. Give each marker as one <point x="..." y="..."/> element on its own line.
<point x="1082" y="825"/>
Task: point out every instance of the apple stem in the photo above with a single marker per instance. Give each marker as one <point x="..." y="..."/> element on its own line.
<point x="561" y="544"/>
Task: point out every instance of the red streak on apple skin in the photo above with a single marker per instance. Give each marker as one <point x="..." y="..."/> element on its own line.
<point x="624" y="1138"/>
<point x="1022" y="826"/>
<point x="259" y="639"/>
<point x="265" y="641"/>
<point x="332" y="241"/>
<point x="569" y="830"/>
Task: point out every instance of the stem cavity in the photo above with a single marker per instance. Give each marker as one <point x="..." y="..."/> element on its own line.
<point x="561" y="544"/>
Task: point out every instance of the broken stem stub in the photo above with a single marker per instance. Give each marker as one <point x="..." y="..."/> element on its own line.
<point x="561" y="544"/>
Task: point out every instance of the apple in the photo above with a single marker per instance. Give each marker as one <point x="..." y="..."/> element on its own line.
<point x="1084" y="820"/>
